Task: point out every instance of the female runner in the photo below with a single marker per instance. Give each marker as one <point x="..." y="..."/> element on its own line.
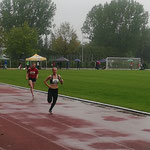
<point x="32" y="76"/>
<point x="53" y="87"/>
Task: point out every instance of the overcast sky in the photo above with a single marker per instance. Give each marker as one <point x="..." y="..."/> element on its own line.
<point x="75" y="11"/>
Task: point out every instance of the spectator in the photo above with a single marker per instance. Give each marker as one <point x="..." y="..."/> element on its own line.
<point x="38" y="65"/>
<point x="20" y="66"/>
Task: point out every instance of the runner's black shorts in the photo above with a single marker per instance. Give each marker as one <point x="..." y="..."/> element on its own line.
<point x="52" y="94"/>
<point x="32" y="79"/>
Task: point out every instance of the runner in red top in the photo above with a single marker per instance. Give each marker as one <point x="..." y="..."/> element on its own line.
<point x="32" y="76"/>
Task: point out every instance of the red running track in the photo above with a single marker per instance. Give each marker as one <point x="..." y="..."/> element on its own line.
<point x="25" y="124"/>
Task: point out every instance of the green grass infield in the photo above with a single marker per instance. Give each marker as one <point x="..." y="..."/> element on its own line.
<point x="124" y="88"/>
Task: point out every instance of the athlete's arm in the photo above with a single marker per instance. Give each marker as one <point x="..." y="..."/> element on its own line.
<point x="60" y="79"/>
<point x="37" y="76"/>
<point x="45" y="81"/>
<point x="26" y="76"/>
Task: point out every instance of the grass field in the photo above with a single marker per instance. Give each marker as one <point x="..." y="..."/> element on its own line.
<point x="129" y="89"/>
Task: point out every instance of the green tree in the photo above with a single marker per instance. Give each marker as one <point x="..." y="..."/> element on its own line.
<point x="143" y="50"/>
<point x="44" y="45"/>
<point x="117" y="25"/>
<point x="21" y="42"/>
<point x="1" y="37"/>
<point x="38" y="13"/>
<point x="64" y="40"/>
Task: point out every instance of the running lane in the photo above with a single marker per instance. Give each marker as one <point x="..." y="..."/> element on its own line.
<point x="25" y="124"/>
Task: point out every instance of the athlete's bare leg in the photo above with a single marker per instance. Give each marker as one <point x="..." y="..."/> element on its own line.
<point x="33" y="84"/>
<point x="31" y="87"/>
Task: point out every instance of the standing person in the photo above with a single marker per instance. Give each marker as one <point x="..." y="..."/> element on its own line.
<point x="20" y="66"/>
<point x="78" y="65"/>
<point x="53" y="64"/>
<point x="53" y="87"/>
<point x="38" y="65"/>
<point x="67" y="65"/>
<point x="5" y="64"/>
<point x="97" y="65"/>
<point x="131" y="65"/>
<point x="32" y="76"/>
<point x="27" y="65"/>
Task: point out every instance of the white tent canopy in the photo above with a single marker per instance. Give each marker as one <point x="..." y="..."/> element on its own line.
<point x="36" y="57"/>
<point x="3" y="58"/>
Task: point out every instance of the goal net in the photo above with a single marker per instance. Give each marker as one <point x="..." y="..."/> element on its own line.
<point x="123" y="63"/>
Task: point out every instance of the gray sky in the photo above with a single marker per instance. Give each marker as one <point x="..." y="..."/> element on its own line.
<point x="75" y="11"/>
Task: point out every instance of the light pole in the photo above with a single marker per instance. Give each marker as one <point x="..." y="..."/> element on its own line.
<point x="82" y="47"/>
<point x="82" y="53"/>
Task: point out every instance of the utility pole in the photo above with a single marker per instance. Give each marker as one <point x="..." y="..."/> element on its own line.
<point x="82" y="48"/>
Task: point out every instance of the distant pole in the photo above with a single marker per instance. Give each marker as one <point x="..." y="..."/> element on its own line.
<point x="82" y="53"/>
<point x="82" y="47"/>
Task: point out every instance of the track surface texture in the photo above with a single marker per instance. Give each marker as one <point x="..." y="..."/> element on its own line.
<point x="25" y="124"/>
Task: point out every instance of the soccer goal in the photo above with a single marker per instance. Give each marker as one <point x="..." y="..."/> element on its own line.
<point x="123" y="63"/>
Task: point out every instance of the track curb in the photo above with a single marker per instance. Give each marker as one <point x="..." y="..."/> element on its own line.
<point x="87" y="101"/>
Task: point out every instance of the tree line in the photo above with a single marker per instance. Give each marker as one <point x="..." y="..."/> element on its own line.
<point x="118" y="28"/>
